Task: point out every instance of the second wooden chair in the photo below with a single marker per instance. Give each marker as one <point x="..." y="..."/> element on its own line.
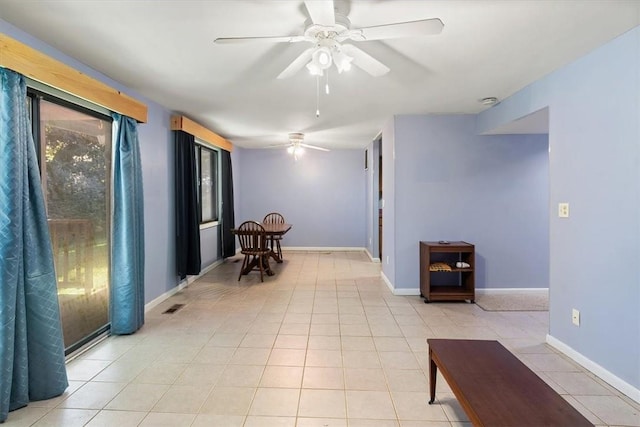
<point x="274" y="218"/>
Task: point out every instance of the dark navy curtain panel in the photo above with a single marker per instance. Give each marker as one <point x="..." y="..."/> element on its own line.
<point x="127" y="230"/>
<point x="32" y="365"/>
<point x="228" y="215"/>
<point x="187" y="216"/>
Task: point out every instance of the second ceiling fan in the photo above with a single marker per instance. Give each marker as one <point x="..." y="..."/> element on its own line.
<point x="296" y="145"/>
<point x="328" y="29"/>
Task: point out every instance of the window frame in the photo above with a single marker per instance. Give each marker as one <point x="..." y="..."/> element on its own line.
<point x="215" y="185"/>
<point x="38" y="92"/>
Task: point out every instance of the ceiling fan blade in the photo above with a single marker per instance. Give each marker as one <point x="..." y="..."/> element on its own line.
<point x="365" y="61"/>
<point x="275" y="39"/>
<point x="321" y="12"/>
<point x="278" y="146"/>
<point x="423" y="27"/>
<point x="297" y="64"/>
<point x="313" y="147"/>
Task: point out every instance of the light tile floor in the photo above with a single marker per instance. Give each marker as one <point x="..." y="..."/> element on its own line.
<point x="322" y="343"/>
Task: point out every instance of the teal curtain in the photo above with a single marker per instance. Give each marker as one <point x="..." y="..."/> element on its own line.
<point x="127" y="231"/>
<point x="32" y="365"/>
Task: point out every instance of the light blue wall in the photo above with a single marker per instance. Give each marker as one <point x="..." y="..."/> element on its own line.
<point x="156" y="148"/>
<point x="492" y="191"/>
<point x="322" y="194"/>
<point x="594" y="134"/>
<point x="157" y="153"/>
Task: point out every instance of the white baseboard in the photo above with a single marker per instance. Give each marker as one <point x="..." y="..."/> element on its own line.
<point x="593" y="367"/>
<point x="399" y="291"/>
<point x="406" y="291"/>
<point x="183" y="284"/>
<point x="322" y="249"/>
<point x="205" y="270"/>
<point x="487" y="291"/>
<point x="376" y="260"/>
<point x="157" y="301"/>
<point x="386" y="280"/>
<point x="479" y="291"/>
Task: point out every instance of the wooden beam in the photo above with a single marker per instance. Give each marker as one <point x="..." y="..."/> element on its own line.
<point x="189" y="126"/>
<point x="40" y="67"/>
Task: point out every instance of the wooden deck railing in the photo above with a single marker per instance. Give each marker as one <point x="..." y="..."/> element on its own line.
<point x="72" y="241"/>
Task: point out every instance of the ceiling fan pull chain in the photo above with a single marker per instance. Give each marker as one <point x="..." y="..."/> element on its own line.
<point x="317" y="96"/>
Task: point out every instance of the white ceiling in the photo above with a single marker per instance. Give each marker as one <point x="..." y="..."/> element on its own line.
<point x="164" y="50"/>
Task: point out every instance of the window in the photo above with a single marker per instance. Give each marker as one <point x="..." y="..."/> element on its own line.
<point x="74" y="152"/>
<point x="207" y="169"/>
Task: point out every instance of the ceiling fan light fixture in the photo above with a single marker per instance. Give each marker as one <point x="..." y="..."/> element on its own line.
<point x="314" y="69"/>
<point x="296" y="137"/>
<point x="322" y="57"/>
<point x="342" y="61"/>
<point x="295" y="150"/>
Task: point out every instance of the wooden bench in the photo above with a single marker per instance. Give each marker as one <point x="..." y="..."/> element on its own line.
<point x="495" y="388"/>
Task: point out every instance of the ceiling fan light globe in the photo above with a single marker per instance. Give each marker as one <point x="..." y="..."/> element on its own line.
<point x="290" y="150"/>
<point x="314" y="69"/>
<point x="342" y="61"/>
<point x="322" y="58"/>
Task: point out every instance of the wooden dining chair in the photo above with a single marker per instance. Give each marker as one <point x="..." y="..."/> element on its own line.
<point x="253" y="244"/>
<point x="274" y="218"/>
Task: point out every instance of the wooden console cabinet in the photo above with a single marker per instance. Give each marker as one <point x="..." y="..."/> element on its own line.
<point x="450" y="283"/>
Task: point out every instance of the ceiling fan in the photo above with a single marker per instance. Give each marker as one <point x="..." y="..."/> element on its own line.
<point x="296" y="146"/>
<point x="328" y="29"/>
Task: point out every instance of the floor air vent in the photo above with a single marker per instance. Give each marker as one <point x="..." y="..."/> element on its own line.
<point x="173" y="308"/>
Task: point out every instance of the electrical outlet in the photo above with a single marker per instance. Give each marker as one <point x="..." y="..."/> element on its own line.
<point x="387" y="259"/>
<point x="563" y="210"/>
<point x="575" y="317"/>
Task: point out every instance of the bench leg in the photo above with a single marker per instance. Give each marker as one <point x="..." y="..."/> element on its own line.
<point x="433" y="370"/>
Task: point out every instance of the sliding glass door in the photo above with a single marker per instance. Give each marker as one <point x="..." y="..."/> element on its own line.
<point x="75" y="163"/>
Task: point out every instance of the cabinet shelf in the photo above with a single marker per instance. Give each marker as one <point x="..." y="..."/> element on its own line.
<point x="457" y="284"/>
